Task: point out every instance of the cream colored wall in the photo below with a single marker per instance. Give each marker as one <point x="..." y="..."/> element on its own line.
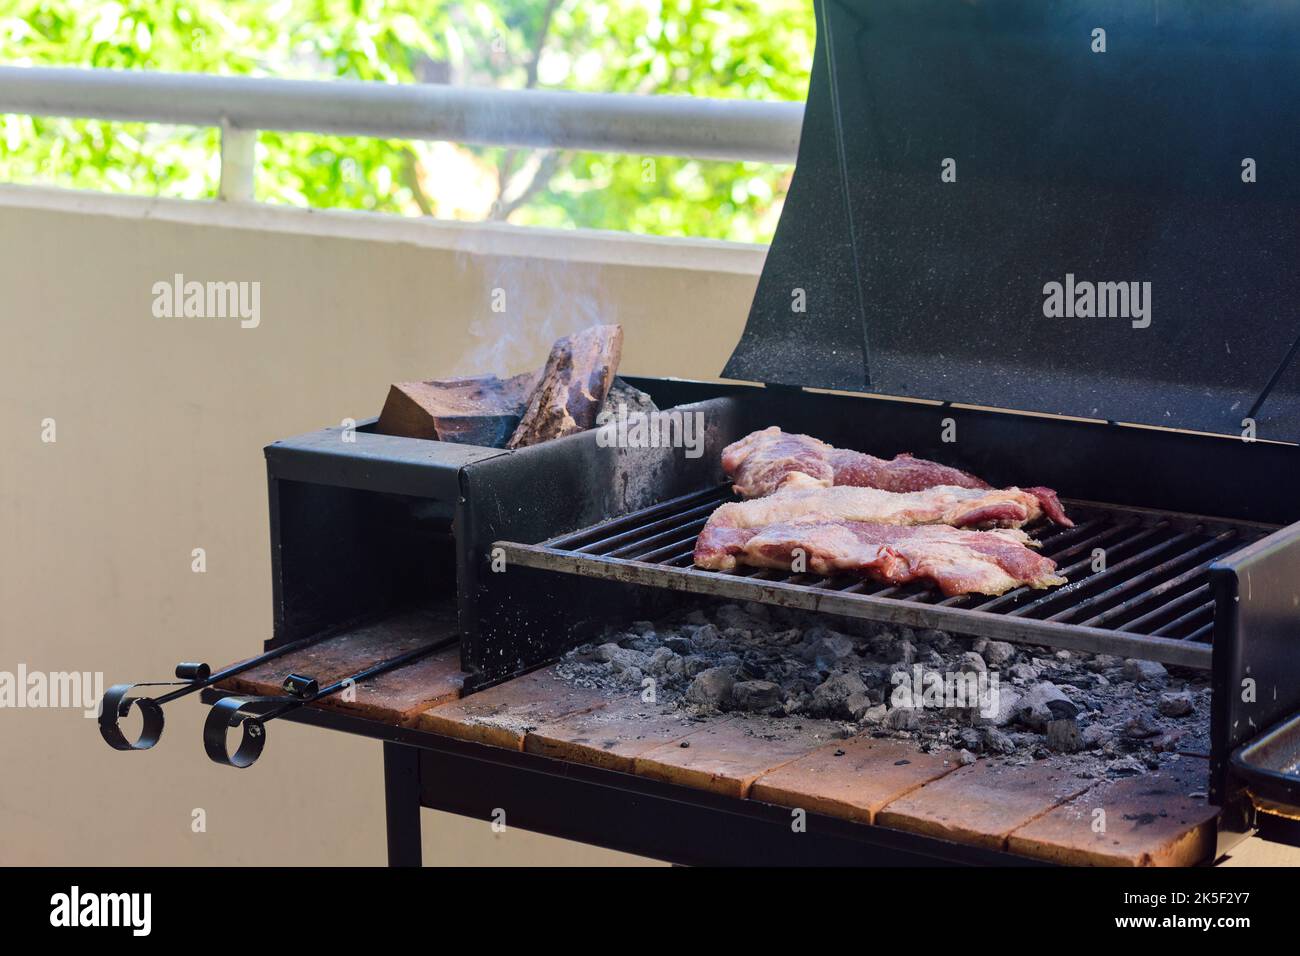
<point x="160" y="425"/>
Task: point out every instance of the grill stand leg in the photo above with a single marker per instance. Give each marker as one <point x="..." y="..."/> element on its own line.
<point x="402" y="804"/>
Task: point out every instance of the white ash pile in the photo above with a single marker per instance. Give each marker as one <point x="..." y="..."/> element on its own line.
<point x="975" y="697"/>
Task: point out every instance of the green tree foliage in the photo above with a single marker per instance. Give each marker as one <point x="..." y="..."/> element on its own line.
<point x="745" y="49"/>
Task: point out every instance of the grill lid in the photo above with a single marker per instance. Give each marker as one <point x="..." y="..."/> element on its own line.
<point x="1087" y="169"/>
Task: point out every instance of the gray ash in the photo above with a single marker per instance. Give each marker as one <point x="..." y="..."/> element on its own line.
<point x="1118" y="716"/>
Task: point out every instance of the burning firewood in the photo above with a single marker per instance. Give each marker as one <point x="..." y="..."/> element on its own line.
<point x="477" y="411"/>
<point x="573" y="386"/>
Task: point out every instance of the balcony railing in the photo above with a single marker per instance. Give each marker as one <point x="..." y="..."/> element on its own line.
<point x="682" y="126"/>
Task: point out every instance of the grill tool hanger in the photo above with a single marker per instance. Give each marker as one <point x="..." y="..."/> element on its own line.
<point x="252" y="713"/>
<point x="191" y="677"/>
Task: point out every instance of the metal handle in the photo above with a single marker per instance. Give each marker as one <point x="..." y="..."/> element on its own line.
<point x="252" y="713"/>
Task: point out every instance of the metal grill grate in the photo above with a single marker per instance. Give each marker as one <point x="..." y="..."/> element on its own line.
<point x="1150" y="599"/>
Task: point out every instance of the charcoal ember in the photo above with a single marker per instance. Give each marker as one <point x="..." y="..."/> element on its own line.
<point x="933" y="660"/>
<point x="633" y="399"/>
<point x="998" y="742"/>
<point x="785" y="638"/>
<point x="679" y="645"/>
<point x="904" y="652"/>
<point x="1168" y="742"/>
<point x="1144" y="672"/>
<point x="1095" y="735"/>
<point x="965" y="757"/>
<point x="1140" y="727"/>
<point x="903" y="718"/>
<point x="696" y="617"/>
<point x="605" y="652"/>
<point x="1004" y="704"/>
<point x="971" y="663"/>
<point x="644" y="628"/>
<point x="758" y="611"/>
<point x="645" y="643"/>
<point x="998" y="653"/>
<point x="1176" y="704"/>
<point x="1063" y="736"/>
<point x="858" y="704"/>
<point x="623" y="658"/>
<point x="1025" y="672"/>
<point x="938" y="640"/>
<point x="831" y="698"/>
<point x="1127" y="767"/>
<point x="695" y="664"/>
<point x="971" y="739"/>
<point x="827" y="650"/>
<point x="875" y="714"/>
<point x="756" y="696"/>
<point x="712" y="688"/>
<point x="1044" y="702"/>
<point x="665" y="663"/>
<point x="708" y="637"/>
<point x="1100" y="663"/>
<point x="882" y="644"/>
<point x="733" y="615"/>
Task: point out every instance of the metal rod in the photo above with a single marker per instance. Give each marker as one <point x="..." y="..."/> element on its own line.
<point x="1168" y="607"/>
<point x="1057" y="595"/>
<point x="1168" y="630"/>
<point x="606" y="529"/>
<point x="868" y="607"/>
<point x="1140" y="579"/>
<point x="686" y="126"/>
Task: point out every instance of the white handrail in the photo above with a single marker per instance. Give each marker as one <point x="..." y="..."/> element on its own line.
<point x="601" y="122"/>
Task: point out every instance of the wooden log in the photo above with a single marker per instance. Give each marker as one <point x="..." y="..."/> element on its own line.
<point x="573" y="386"/>
<point x="478" y="411"/>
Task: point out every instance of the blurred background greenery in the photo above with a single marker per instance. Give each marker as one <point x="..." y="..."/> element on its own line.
<point x="743" y="49"/>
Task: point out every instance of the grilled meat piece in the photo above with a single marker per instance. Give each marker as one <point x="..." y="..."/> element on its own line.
<point x="732" y="524"/>
<point x="959" y="562"/>
<point x="768" y="460"/>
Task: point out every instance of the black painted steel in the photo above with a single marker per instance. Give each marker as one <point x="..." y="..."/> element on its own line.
<point x="251" y="713"/>
<point x="117" y="701"/>
<point x="1123" y="565"/>
<point x="1256" y="680"/>
<point x="402" y="804"/>
<point x="956" y="158"/>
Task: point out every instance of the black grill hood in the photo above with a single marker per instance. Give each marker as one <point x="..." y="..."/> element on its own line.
<point x="1116" y="166"/>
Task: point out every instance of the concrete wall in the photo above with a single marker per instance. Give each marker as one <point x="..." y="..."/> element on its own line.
<point x="160" y="425"/>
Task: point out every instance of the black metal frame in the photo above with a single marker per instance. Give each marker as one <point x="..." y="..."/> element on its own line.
<point x="617" y="811"/>
<point x="362" y="524"/>
<point x="1157" y="572"/>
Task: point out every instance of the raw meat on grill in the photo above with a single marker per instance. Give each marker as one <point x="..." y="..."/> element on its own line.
<point x="768" y="460"/>
<point x="959" y="562"/>
<point x="732" y="524"/>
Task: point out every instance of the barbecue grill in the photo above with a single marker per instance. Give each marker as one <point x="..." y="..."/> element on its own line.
<point x="900" y="310"/>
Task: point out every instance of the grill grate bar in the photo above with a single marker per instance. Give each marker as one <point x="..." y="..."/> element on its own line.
<point x="618" y="545"/>
<point x="1177" y="624"/>
<point x="991" y="602"/>
<point x="1169" y="607"/>
<point x="1067" y="592"/>
<point x="1070" y="569"/>
<point x="1153" y="597"/>
<point x="584" y="537"/>
<point x="1145" y="577"/>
